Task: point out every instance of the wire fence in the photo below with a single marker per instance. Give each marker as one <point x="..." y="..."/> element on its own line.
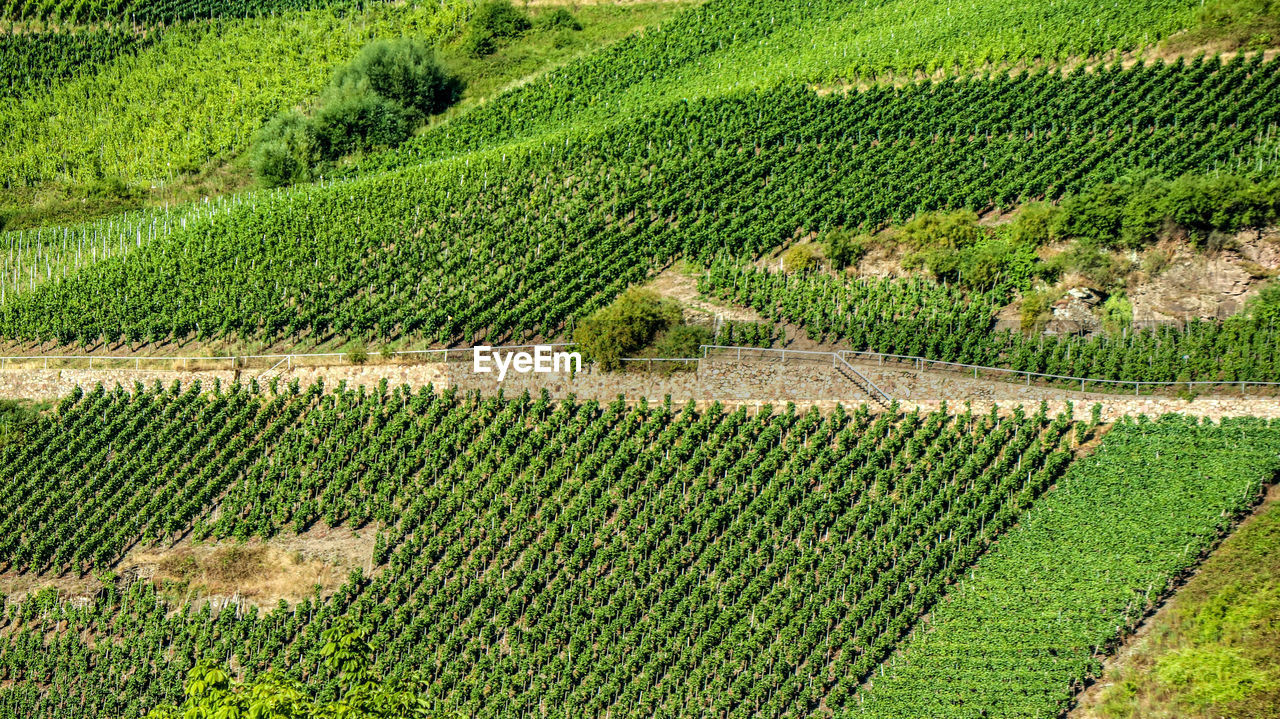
<point x="840" y="360"/>
<point x="1086" y="384"/>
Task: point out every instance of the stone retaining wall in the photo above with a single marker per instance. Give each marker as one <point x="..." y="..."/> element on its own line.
<point x="753" y="384"/>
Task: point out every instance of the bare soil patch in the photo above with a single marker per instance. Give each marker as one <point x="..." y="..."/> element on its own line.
<point x="260" y="572"/>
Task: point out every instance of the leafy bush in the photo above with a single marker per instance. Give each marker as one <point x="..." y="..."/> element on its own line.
<point x="1265" y="306"/>
<point x="284" y="150"/>
<point x="625" y="327"/>
<point x="681" y="341"/>
<point x="1087" y="259"/>
<point x="406" y="71"/>
<point x="210" y="691"/>
<point x="495" y="21"/>
<point x="559" y="19"/>
<point x="1033" y="225"/>
<point x="1137" y="210"/>
<point x="351" y="120"/>
<point x="358" y="353"/>
<point x="843" y="249"/>
<point x="1117" y="313"/>
<point x="373" y="101"/>
<point x="799" y="258"/>
<point x="17" y="418"/>
<point x="935" y="230"/>
<point x="1033" y="313"/>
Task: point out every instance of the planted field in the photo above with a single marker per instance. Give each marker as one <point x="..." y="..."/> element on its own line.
<point x="597" y="558"/>
<point x="1033" y="619"/>
<point x="925" y="319"/>
<point x="410" y="253"/>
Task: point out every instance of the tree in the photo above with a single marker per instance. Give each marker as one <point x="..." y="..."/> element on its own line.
<point x="405" y="71"/>
<point x="284" y="150"/>
<point x="842" y="248"/>
<point x="626" y="326"/>
<point x="799" y="259"/>
<point x="494" y="22"/>
<point x="211" y="693"/>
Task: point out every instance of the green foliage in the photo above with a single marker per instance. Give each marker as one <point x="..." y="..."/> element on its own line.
<point x="987" y="265"/>
<point x="1085" y="564"/>
<point x="799" y="259"/>
<point x="1233" y="25"/>
<point x="750" y="46"/>
<point x="942" y="230"/>
<point x="1207" y="677"/>
<point x="922" y="318"/>
<point x="842" y="248"/>
<point x="1117" y="313"/>
<point x="35" y="62"/>
<point x="1033" y="225"/>
<point x="727" y="514"/>
<point x="681" y="341"/>
<point x="357" y="353"/>
<point x="494" y="22"/>
<point x="353" y="119"/>
<point x="559" y="19"/>
<point x="212" y="694"/>
<point x="954" y="248"/>
<point x="746" y="334"/>
<point x="18" y="418"/>
<point x="374" y="101"/>
<point x="1033" y="312"/>
<point x="285" y="150"/>
<point x="215" y="83"/>
<point x="1106" y="270"/>
<point x="1139" y="210"/>
<point x="624" y="327"/>
<point x="405" y="71"/>
<point x="155" y="12"/>
<point x="1265" y="306"/>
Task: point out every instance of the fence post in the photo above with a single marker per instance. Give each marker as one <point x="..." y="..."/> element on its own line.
<point x="90" y="363"/>
<point x="1135" y="389"/>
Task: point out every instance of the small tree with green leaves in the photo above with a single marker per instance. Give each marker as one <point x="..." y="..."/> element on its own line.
<point x="211" y="693"/>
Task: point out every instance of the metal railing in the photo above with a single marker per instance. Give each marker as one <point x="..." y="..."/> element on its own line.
<point x="291" y="360"/>
<point x="837" y="362"/>
<point x="921" y="364"/>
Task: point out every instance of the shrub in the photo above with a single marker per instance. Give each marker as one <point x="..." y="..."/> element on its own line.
<point x="1033" y="225"/>
<point x="1090" y="261"/>
<point x="17" y="419"/>
<point x="406" y="71"/>
<point x="681" y="341"/>
<point x="353" y="119"/>
<point x="1034" y="311"/>
<point x="843" y="249"/>
<point x="934" y="230"/>
<point x="559" y="19"/>
<point x="284" y="150"/>
<point x="1265" y="306"/>
<point x="626" y="326"/>
<point x="1117" y="313"/>
<point x="494" y="22"/>
<point x="357" y="353"/>
<point x="799" y="258"/>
